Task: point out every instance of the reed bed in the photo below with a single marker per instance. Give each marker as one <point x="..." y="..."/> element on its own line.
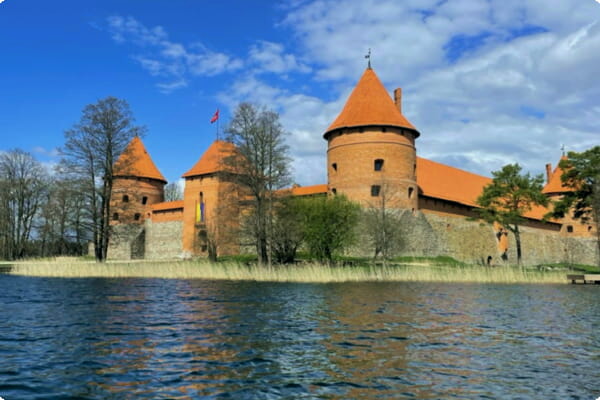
<point x="310" y="273"/>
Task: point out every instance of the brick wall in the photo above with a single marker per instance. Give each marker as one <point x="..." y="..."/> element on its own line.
<point x="351" y="170"/>
<point x="128" y="196"/>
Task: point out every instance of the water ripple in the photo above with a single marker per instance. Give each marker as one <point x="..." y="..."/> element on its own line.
<point x="177" y="339"/>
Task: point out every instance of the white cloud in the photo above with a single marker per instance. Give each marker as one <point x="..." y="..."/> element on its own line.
<point x="526" y="87"/>
<point x="171" y="86"/>
<point x="486" y="82"/>
<point x="167" y="59"/>
<point x="270" y="57"/>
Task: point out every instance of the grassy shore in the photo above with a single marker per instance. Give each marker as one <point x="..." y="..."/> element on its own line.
<point x="310" y="272"/>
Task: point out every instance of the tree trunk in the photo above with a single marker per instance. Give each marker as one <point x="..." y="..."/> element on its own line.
<point x="518" y="241"/>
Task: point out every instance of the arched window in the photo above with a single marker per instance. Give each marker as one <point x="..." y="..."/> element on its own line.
<point x="334" y="166"/>
<point x="115" y="216"/>
<point x="570" y="228"/>
<point x="125" y="198"/>
<point x="144" y="199"/>
<point x="334" y="191"/>
<point x="137" y="216"/>
<point x="378" y="165"/>
<point x="410" y="192"/>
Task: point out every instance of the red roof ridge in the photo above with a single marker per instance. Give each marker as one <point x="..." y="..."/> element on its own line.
<point x="135" y="161"/>
<point x="370" y="104"/>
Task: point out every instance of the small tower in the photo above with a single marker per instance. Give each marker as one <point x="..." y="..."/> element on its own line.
<point x="371" y="148"/>
<point x="137" y="184"/>
<point x="211" y="205"/>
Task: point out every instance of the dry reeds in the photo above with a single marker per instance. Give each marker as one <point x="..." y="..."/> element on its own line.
<point x="314" y="272"/>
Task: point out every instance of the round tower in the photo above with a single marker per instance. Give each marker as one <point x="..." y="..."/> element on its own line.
<point x="137" y="184"/>
<point x="371" y="155"/>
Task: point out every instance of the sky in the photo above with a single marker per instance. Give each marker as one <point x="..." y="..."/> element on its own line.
<point x="486" y="82"/>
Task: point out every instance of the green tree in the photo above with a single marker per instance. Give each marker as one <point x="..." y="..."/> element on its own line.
<point x="260" y="165"/>
<point x="581" y="173"/>
<point x="329" y="225"/>
<point x="287" y="229"/>
<point x="508" y="197"/>
<point x="91" y="149"/>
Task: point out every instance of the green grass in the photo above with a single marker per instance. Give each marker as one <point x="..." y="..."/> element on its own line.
<point x="309" y="272"/>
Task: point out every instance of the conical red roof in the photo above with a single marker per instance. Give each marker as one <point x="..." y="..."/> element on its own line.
<point x="135" y="161"/>
<point x="555" y="184"/>
<point x="370" y="104"/>
<point x="211" y="160"/>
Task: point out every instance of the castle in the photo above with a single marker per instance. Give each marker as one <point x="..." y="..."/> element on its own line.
<point x="371" y="155"/>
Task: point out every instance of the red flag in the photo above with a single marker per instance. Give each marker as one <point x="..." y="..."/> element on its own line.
<point x="215" y="117"/>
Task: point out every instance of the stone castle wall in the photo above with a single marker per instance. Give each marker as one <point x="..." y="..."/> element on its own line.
<point x="430" y="235"/>
<point x="126" y="242"/>
<point x="163" y="239"/>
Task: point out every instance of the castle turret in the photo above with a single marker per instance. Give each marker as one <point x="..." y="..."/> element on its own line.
<point x="210" y="203"/>
<point x="137" y="184"/>
<point x="371" y="148"/>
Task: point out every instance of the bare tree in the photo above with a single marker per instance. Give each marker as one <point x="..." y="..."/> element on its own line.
<point x="260" y="165"/>
<point x="23" y="185"/>
<point x="173" y="192"/>
<point x="382" y="222"/>
<point x="91" y="149"/>
<point x="61" y="227"/>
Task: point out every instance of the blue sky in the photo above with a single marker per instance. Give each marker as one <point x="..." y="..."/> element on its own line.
<point x="487" y="82"/>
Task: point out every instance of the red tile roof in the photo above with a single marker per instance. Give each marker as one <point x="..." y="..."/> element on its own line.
<point x="135" y="161"/>
<point x="370" y="104"/>
<point x="444" y="182"/>
<point x="167" y="205"/>
<point x="210" y="161"/>
<point x="555" y="184"/>
<point x="309" y="190"/>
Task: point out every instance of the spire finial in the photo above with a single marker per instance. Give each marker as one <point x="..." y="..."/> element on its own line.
<point x="562" y="149"/>
<point x="368" y="57"/>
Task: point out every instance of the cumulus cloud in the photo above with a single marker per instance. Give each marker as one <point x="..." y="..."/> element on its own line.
<point x="486" y="83"/>
<point x="270" y="57"/>
<point x="167" y="59"/>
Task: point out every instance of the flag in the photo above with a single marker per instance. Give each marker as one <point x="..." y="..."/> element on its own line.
<point x="215" y="117"/>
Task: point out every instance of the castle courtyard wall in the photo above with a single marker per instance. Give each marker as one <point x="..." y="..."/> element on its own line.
<point x="164" y="239"/>
<point x="127" y="242"/>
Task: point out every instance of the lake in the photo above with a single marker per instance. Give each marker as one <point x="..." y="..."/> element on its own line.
<point x="181" y="339"/>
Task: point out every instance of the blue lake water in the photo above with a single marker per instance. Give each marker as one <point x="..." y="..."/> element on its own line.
<point x="181" y="339"/>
